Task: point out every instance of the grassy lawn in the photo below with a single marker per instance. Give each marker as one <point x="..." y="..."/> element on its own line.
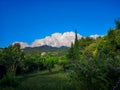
<point x="46" y="81"/>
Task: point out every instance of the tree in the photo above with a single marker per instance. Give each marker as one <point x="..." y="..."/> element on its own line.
<point x="117" y="22"/>
<point x="90" y="51"/>
<point x="102" y="71"/>
<point x="64" y="63"/>
<point x="49" y="62"/>
<point x="73" y="52"/>
<point x="11" y="57"/>
<point x="76" y="48"/>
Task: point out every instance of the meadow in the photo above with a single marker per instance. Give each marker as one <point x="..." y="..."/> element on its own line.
<point x="44" y="80"/>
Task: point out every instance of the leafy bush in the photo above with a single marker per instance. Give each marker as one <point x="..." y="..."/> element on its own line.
<point x="96" y="75"/>
<point x="86" y="77"/>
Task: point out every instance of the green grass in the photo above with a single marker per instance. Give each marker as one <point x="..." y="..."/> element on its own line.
<point x="44" y="80"/>
<point x="56" y="80"/>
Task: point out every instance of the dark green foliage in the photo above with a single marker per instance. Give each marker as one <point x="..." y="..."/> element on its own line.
<point x="49" y="62"/>
<point x="29" y="64"/>
<point x="95" y="74"/>
<point x="11" y="57"/>
<point x="84" y="42"/>
<point x="33" y="63"/>
<point x="88" y="48"/>
<point x="77" y="50"/>
<point x="64" y="63"/>
<point x="87" y="76"/>
<point x="9" y="81"/>
<point x="73" y="53"/>
<point x="3" y="71"/>
<point x="117" y="25"/>
<point x="37" y="63"/>
<point x="101" y="72"/>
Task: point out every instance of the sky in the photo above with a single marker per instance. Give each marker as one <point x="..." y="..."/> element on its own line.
<point x="30" y="20"/>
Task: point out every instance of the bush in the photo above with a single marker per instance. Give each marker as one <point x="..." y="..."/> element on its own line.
<point x="9" y="80"/>
<point x="85" y="78"/>
<point x="95" y="75"/>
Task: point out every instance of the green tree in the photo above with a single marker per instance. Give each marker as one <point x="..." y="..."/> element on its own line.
<point x="49" y="62"/>
<point x="76" y="47"/>
<point x="64" y="63"/>
<point x="11" y="57"/>
<point x="73" y="53"/>
<point x="102" y="72"/>
<point x="117" y="22"/>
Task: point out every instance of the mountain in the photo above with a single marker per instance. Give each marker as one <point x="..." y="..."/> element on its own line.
<point x="46" y="47"/>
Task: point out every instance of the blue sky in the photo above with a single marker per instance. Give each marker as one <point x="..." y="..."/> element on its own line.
<point x="27" y="20"/>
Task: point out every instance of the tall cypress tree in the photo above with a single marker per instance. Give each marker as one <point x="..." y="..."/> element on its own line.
<point x="73" y="53"/>
<point x="76" y="47"/>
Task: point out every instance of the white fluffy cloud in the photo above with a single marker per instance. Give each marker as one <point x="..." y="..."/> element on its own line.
<point x="95" y="36"/>
<point x="55" y="40"/>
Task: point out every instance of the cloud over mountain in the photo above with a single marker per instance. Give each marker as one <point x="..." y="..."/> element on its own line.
<point x="55" y="40"/>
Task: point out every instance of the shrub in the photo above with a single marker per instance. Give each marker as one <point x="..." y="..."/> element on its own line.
<point x="88" y="78"/>
<point x="96" y="75"/>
